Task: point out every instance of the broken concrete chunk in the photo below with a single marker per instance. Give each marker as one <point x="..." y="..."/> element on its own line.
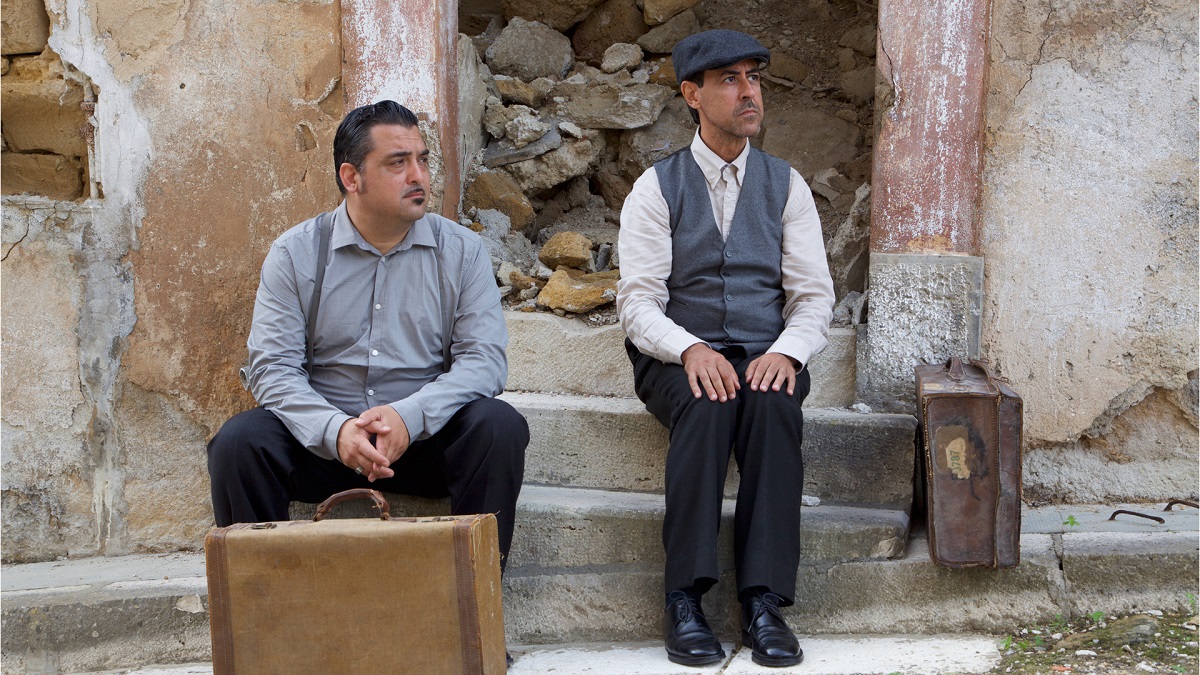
<point x="525" y="129"/>
<point x="529" y="50"/>
<point x="503" y="152"/>
<point x="621" y="56"/>
<point x="605" y="106"/>
<point x="513" y="90"/>
<point x="570" y="129"/>
<point x="497" y="116"/>
<point x="861" y="40"/>
<point x="859" y="85"/>
<point x="672" y="131"/>
<point x="788" y="68"/>
<point x="557" y="166"/>
<point x="830" y="184"/>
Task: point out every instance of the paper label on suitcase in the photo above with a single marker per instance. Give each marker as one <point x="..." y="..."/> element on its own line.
<point x="955" y="451"/>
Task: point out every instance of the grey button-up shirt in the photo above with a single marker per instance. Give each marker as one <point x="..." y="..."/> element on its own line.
<point x="379" y="329"/>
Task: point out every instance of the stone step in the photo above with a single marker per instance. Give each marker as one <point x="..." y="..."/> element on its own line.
<point x="560" y="529"/>
<point x="614" y="444"/>
<point x="961" y="654"/>
<point x="108" y="613"/>
<point x="551" y="354"/>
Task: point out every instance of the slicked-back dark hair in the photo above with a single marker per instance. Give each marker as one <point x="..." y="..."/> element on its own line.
<point x="352" y="143"/>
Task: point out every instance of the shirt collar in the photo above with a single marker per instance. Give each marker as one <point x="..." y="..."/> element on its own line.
<point x="345" y="234"/>
<point x="711" y="164"/>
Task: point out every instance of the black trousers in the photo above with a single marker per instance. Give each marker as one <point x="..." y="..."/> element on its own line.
<point x="478" y="460"/>
<point x="763" y="430"/>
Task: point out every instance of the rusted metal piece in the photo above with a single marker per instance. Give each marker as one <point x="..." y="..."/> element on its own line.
<point x="933" y="55"/>
<point x="408" y="52"/>
<point x="1181" y="502"/>
<point x="1147" y="516"/>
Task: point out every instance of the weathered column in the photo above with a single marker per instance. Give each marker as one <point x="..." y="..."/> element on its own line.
<point x="925" y="280"/>
<point x="408" y="52"/>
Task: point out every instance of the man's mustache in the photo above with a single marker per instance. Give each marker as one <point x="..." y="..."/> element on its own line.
<point x="748" y="105"/>
<point x="415" y="191"/>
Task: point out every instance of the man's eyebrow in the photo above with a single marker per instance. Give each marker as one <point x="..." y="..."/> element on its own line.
<point x="734" y="71"/>
<point x="401" y="154"/>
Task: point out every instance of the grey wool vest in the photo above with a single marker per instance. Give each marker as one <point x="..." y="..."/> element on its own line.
<point x="727" y="292"/>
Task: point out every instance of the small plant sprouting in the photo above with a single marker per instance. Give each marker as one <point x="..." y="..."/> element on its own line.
<point x="1071" y="522"/>
<point x="1096" y="616"/>
<point x="1191" y="598"/>
<point x="1007" y="644"/>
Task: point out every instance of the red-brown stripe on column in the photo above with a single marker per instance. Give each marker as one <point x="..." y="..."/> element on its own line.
<point x="928" y="157"/>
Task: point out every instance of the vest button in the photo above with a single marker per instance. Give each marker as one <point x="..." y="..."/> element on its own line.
<point x="728" y="254"/>
<point x="729" y="298"/>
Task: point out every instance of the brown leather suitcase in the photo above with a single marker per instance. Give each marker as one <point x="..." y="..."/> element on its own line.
<point x="387" y="595"/>
<point x="971" y="438"/>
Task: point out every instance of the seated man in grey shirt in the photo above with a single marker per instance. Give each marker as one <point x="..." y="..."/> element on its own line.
<point x="397" y="389"/>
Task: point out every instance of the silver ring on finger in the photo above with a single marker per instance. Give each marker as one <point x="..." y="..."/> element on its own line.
<point x="358" y="470"/>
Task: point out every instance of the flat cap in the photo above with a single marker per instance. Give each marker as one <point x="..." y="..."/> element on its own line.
<point x="714" y="49"/>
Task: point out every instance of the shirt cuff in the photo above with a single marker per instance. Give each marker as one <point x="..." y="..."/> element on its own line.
<point x="329" y="442"/>
<point x="675" y="343"/>
<point x="794" y="348"/>
<point x="414" y="418"/>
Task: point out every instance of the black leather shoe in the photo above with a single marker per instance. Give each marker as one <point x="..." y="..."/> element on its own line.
<point x="690" y="641"/>
<point x="766" y="633"/>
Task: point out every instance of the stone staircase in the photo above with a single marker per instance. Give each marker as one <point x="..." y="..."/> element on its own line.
<point x="587" y="559"/>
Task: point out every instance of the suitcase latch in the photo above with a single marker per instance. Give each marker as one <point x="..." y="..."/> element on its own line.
<point x="262" y="526"/>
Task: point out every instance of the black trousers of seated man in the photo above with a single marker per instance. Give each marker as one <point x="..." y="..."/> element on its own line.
<point x="763" y="430"/>
<point x="477" y="459"/>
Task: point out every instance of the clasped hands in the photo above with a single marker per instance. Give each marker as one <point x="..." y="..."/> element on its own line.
<point x="355" y="449"/>
<point x="710" y="373"/>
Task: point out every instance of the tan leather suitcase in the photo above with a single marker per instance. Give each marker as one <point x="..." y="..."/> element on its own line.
<point x="971" y="438"/>
<point x="387" y="595"/>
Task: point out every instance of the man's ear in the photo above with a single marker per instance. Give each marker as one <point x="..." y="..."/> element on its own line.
<point x="349" y="176"/>
<point x="691" y="93"/>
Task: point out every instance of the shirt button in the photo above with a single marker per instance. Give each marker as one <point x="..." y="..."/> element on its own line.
<point x="729" y="298"/>
<point x="370" y="392"/>
<point x="374" y="352"/>
<point x="378" y="306"/>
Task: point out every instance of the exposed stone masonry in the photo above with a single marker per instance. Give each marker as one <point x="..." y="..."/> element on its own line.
<point x="582" y="99"/>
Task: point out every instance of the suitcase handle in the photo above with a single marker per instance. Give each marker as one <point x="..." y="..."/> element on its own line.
<point x="956" y="369"/>
<point x="375" y="496"/>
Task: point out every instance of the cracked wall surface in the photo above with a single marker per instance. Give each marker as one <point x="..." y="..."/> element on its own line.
<point x="125" y="316"/>
<point x="1089" y="233"/>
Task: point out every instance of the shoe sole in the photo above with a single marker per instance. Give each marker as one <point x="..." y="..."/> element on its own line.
<point x="779" y="662"/>
<point x="695" y="660"/>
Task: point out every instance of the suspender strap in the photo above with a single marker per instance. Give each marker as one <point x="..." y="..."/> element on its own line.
<point x="444" y="288"/>
<point x="325" y="227"/>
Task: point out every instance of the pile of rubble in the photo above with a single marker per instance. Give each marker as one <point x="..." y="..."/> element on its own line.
<point x="568" y="123"/>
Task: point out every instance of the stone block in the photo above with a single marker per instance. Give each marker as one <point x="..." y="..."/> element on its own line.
<point x="48" y="464"/>
<point x="24" y="26"/>
<point x="621" y="56"/>
<point x="559" y="15"/>
<point x="583" y="607"/>
<point x="42" y="109"/>
<point x="663" y="38"/>
<point x="788" y="68"/>
<point x="472" y="94"/>
<point x="166" y="492"/>
<point x="615" y="444"/>
<point x="923" y="309"/>
<point x="515" y="90"/>
<point x="579" y="293"/>
<point x="672" y="131"/>
<point x="549" y="353"/>
<point x="661" y="11"/>
<point x="567" y="248"/>
<point x="52" y="176"/>
<point x="573" y="528"/>
<point x="809" y="139"/>
<point x="497" y="190"/>
<point x="612" y="22"/>
<point x="861" y="40"/>
<point x="529" y="50"/>
<point x="504" y="152"/>
<point x="858" y="85"/>
<point x="1128" y="571"/>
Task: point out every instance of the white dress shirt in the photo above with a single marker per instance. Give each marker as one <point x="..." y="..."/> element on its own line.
<point x="645" y="249"/>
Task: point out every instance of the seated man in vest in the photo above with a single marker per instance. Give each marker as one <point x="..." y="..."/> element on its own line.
<point x="387" y="377"/>
<point x="725" y="296"/>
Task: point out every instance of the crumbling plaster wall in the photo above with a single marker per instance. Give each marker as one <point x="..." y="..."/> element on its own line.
<point x="1089" y="232"/>
<point x="124" y="317"/>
